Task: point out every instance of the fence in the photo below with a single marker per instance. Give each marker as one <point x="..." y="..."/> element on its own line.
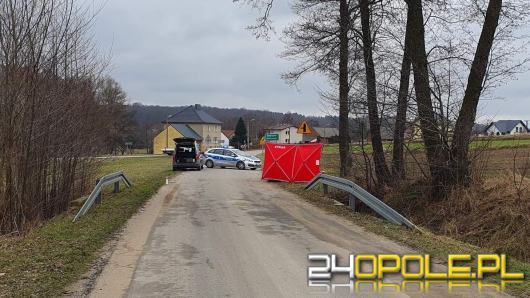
<point x="95" y="195"/>
<point x="357" y="192"/>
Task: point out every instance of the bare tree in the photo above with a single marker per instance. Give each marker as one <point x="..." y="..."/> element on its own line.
<point x="49" y="124"/>
<point x="324" y="44"/>
<point x="381" y="169"/>
<point x="398" y="162"/>
<point x="452" y="70"/>
<point x="442" y="74"/>
<point x="112" y="100"/>
<point x="468" y="109"/>
<point x="344" y="131"/>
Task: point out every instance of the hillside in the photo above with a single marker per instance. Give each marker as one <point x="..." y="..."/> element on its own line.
<point x="152" y="116"/>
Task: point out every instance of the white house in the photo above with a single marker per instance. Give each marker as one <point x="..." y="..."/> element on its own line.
<point x="507" y="127"/>
<point x="225" y="142"/>
<point x="286" y="134"/>
<point x="326" y="134"/>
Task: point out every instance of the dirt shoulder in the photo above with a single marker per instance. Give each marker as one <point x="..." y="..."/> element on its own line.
<point x="113" y="271"/>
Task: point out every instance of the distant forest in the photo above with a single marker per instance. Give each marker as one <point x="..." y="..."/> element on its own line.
<point x="152" y="116"/>
<point x="148" y="120"/>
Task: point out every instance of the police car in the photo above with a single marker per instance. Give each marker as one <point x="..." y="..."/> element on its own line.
<point x="220" y="157"/>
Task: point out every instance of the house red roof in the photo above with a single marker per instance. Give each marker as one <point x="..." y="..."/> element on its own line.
<point x="229" y="133"/>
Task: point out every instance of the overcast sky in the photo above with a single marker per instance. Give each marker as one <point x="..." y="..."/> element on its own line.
<point x="169" y="52"/>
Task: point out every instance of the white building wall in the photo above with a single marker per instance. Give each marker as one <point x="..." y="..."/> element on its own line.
<point x="224" y="141"/>
<point x="492" y="131"/>
<point x="287" y="135"/>
<point x="518" y="129"/>
<point x="295" y="137"/>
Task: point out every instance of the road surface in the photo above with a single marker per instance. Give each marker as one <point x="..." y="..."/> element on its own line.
<point x="226" y="233"/>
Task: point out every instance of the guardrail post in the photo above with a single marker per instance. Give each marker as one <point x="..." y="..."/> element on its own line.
<point x="352" y="201"/>
<point x="325" y="188"/>
<point x="98" y="197"/>
<point x="358" y="193"/>
<point x="116" y="186"/>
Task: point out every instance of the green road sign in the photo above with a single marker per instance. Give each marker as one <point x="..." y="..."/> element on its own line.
<point x="272" y="137"/>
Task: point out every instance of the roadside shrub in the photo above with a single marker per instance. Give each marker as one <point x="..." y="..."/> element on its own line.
<point x="493" y="213"/>
<point x="50" y="122"/>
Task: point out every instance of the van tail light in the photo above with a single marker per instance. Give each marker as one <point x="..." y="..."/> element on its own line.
<point x="174" y="157"/>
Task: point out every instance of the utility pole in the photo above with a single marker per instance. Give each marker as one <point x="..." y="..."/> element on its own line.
<point x="146" y="141"/>
<point x="248" y="133"/>
<point x="167" y="131"/>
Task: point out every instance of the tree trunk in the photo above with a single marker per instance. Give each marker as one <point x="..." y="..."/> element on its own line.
<point x="344" y="131"/>
<point x="468" y="111"/>
<point x="381" y="169"/>
<point x="398" y="165"/>
<point x="437" y="154"/>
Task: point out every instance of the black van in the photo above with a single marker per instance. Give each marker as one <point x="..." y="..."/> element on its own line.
<point x="187" y="154"/>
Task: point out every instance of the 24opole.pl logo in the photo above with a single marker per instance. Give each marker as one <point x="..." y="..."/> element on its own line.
<point x="414" y="271"/>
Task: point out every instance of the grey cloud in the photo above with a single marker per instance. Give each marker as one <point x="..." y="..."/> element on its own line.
<point x="177" y="52"/>
<point x="187" y="51"/>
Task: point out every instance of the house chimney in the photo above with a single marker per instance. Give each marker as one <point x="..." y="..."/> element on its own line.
<point x="197" y="106"/>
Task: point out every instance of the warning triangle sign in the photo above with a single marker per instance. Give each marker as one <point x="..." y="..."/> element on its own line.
<point x="305" y="129"/>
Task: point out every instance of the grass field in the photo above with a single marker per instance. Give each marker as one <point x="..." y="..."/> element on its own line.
<point x="500" y="143"/>
<point x="43" y="262"/>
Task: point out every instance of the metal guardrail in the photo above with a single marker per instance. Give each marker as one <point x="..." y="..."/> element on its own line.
<point x="357" y="192"/>
<point x="95" y="195"/>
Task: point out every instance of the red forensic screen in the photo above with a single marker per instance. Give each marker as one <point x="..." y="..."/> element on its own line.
<point x="291" y="162"/>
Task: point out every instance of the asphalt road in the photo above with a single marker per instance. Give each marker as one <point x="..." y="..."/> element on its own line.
<point x="226" y="233"/>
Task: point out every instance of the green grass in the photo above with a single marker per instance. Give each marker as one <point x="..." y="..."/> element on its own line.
<point x="43" y="262"/>
<point x="500" y="143"/>
<point x="413" y="146"/>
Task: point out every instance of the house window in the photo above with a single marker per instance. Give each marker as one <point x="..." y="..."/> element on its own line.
<point x="215" y="140"/>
